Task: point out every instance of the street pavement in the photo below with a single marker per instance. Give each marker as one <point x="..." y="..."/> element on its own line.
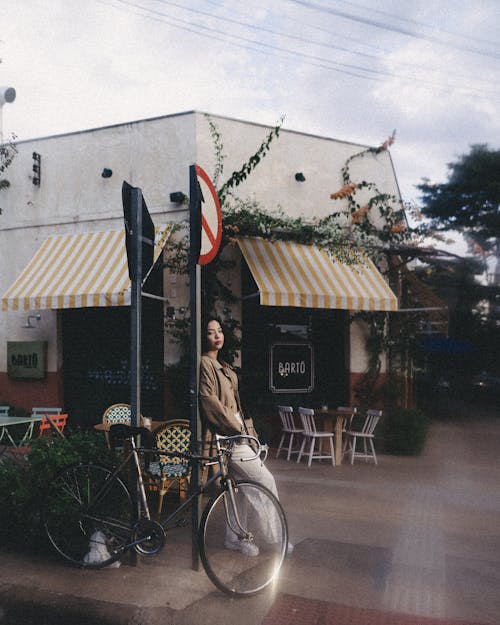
<point x="412" y="536"/>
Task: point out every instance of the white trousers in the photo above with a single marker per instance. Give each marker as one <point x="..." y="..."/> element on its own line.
<point x="256" y="471"/>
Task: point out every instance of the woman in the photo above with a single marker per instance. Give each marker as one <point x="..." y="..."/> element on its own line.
<point x="222" y="413"/>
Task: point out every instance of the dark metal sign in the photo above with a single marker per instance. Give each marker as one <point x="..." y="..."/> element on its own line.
<point x="291" y="368"/>
<point x="26" y="359"/>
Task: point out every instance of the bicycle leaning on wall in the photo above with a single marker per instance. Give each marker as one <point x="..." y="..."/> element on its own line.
<point x="90" y="507"/>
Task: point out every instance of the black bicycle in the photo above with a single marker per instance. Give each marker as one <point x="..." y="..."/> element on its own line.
<point x="91" y="519"/>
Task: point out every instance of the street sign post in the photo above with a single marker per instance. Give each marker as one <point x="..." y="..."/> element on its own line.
<point x="205" y="234"/>
<point x="211" y="218"/>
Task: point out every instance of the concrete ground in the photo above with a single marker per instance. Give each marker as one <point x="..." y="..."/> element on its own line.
<point x="417" y="536"/>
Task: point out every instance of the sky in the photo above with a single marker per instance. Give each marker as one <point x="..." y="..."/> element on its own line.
<point x="352" y="71"/>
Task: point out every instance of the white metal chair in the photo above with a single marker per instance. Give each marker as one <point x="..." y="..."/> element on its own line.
<point x="366" y="434"/>
<point x="36" y="412"/>
<point x="4" y="411"/>
<point x="311" y="435"/>
<point x="288" y="428"/>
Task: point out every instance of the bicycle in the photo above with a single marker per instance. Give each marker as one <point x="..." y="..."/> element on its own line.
<point x="242" y="535"/>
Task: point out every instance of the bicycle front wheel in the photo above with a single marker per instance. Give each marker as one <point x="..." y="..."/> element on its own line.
<point x="242" y="547"/>
<point x="88" y="515"/>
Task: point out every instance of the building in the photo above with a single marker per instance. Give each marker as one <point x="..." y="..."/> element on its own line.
<point x="64" y="320"/>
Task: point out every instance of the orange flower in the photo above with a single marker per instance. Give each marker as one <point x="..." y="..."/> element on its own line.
<point x="399" y="227"/>
<point x="357" y="216"/>
<point x="345" y="191"/>
<point x="388" y="142"/>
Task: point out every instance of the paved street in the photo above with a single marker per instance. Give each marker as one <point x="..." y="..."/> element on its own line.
<point x="417" y="536"/>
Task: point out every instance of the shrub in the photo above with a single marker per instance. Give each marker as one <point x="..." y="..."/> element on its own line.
<point x="23" y="482"/>
<point x="405" y="431"/>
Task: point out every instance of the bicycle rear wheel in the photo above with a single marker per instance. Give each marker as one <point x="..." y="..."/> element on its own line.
<point x="88" y="515"/>
<point x="243" y="565"/>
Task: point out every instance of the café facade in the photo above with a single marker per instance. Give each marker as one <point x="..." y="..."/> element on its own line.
<point x="65" y="317"/>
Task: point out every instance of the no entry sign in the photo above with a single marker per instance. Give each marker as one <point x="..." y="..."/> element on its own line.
<point x="211" y="218"/>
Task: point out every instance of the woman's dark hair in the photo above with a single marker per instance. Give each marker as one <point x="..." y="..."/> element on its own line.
<point x="204" y="325"/>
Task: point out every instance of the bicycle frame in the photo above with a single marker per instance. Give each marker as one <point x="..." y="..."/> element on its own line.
<point x="222" y="473"/>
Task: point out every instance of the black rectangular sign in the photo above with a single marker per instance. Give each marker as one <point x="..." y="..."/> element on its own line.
<point x="291" y="368"/>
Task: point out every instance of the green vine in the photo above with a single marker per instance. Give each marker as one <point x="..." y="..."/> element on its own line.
<point x="248" y="218"/>
<point x="237" y="177"/>
<point x="8" y="152"/>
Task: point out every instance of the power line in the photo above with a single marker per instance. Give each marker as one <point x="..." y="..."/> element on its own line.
<point x="418" y="23"/>
<point x="396" y="29"/>
<point x="346" y="68"/>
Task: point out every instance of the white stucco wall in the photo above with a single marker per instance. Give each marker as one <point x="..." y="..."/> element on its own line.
<point x="155" y="155"/>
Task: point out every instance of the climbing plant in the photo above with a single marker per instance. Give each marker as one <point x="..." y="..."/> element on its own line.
<point x="369" y="220"/>
<point x="8" y="152"/>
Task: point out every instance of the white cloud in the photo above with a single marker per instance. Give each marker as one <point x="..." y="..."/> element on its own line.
<point x="77" y="65"/>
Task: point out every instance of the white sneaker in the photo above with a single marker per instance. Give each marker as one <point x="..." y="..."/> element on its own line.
<point x="246" y="548"/>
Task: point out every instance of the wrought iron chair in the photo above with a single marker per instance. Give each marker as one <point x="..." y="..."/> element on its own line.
<point x="169" y="471"/>
<point x="288" y="429"/>
<point x="311" y="436"/>
<point x="366" y="434"/>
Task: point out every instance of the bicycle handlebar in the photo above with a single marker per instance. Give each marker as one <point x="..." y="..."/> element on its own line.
<point x="253" y="443"/>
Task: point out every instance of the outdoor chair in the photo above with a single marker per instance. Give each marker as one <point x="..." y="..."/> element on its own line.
<point x="366" y="434"/>
<point x="51" y="424"/>
<point x="169" y="471"/>
<point x="36" y="412"/>
<point x="4" y="411"/>
<point x="350" y="412"/>
<point x="311" y="436"/>
<point x="117" y="413"/>
<point x="288" y="429"/>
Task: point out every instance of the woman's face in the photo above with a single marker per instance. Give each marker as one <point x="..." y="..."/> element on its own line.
<point x="215" y="336"/>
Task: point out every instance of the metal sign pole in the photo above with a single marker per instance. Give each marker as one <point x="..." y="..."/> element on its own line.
<point x="194" y="300"/>
<point x="135" y="325"/>
<point x="136" y="308"/>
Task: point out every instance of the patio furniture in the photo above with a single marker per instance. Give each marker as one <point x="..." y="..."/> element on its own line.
<point x="116" y="413"/>
<point x="311" y="436"/>
<point x="4" y="411"/>
<point x="366" y="434"/>
<point x="7" y="422"/>
<point x="169" y="471"/>
<point x="53" y="424"/>
<point x="288" y="429"/>
<point x="44" y="411"/>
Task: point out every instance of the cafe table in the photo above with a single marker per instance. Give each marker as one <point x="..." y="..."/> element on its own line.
<point x="7" y="422"/>
<point x="153" y="427"/>
<point x="333" y="421"/>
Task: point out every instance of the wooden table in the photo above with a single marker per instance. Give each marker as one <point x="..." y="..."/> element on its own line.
<point x="329" y="417"/>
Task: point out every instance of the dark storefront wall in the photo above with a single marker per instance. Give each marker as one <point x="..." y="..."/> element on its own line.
<point x="326" y="330"/>
<point x="96" y="361"/>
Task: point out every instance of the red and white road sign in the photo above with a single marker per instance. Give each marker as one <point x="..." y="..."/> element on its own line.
<point x="211" y="218"/>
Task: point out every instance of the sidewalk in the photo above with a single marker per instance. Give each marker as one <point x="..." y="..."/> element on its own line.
<point x="412" y="536"/>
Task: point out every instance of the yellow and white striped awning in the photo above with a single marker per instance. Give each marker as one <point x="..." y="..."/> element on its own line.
<point x="77" y="271"/>
<point x="291" y="274"/>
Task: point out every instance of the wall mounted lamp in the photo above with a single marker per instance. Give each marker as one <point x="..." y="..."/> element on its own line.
<point x="177" y="197"/>
<point x="28" y="323"/>
<point x="299" y="177"/>
<point x="107" y="173"/>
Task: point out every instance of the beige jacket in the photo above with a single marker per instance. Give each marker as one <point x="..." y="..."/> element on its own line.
<point x="219" y="397"/>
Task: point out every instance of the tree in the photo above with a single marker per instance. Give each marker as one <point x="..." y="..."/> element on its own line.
<point x="470" y="200"/>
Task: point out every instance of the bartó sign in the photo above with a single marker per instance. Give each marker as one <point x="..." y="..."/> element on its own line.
<point x="26" y="359"/>
<point x="291" y="368"/>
